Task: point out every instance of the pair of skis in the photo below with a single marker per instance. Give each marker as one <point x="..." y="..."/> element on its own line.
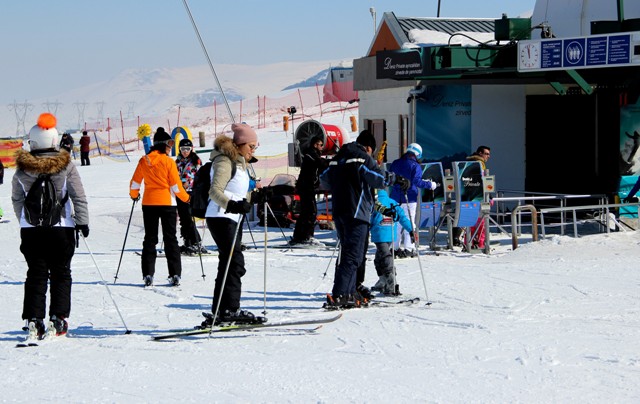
<point x="248" y="327"/>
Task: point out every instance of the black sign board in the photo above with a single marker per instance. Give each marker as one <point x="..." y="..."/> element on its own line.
<point x="399" y="65"/>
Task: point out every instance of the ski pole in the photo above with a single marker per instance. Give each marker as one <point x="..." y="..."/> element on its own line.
<point x="422" y="274"/>
<point x="264" y="211"/>
<point x="332" y="254"/>
<point x="251" y="233"/>
<point x="195" y="231"/>
<point x="226" y="271"/>
<point x="125" y="240"/>
<point x="276" y="219"/>
<point x="393" y="252"/>
<point x="128" y="331"/>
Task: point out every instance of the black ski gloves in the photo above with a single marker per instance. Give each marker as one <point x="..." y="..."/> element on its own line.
<point x="404" y="183"/>
<point x="389" y="212"/>
<point x="412" y="237"/>
<point x="84" y="229"/>
<point x="240" y="207"/>
<point x="261" y="195"/>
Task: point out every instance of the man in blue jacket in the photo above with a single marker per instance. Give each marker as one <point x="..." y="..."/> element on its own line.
<point x="408" y="167"/>
<point x="351" y="175"/>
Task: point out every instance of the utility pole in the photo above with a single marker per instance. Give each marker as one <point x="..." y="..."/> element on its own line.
<point x="100" y="108"/>
<point x="80" y="106"/>
<point x="48" y="105"/>
<point x="21" y="112"/>
<point x="130" y="110"/>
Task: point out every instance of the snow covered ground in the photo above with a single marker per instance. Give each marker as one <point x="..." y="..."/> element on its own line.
<point x="553" y="321"/>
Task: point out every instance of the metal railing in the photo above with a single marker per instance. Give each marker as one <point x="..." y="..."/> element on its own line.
<point x="605" y="216"/>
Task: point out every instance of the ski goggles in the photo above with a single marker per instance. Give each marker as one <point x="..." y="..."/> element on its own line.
<point x="185" y="148"/>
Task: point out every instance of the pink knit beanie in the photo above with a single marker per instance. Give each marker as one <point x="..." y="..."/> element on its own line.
<point x="243" y="133"/>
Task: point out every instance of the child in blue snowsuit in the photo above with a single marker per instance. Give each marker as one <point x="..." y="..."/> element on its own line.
<point x="386" y="214"/>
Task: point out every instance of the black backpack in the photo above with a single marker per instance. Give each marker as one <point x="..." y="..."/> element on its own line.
<point x="42" y="206"/>
<point x="200" y="189"/>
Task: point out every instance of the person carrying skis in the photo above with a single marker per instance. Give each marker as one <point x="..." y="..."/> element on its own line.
<point x="308" y="181"/>
<point x="408" y="167"/>
<point x="188" y="164"/>
<point x="48" y="250"/>
<point x="351" y="175"/>
<point x="225" y="214"/>
<point x="159" y="173"/>
<point x="386" y="214"/>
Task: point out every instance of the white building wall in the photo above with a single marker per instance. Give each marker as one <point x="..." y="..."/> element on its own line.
<point x="388" y="104"/>
<point x="498" y="121"/>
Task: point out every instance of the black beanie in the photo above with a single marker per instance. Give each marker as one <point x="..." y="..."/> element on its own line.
<point x="161" y="136"/>
<point x="366" y="138"/>
<point x="185" y="143"/>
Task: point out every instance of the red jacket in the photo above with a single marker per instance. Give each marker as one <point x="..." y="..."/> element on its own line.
<point x="84" y="143"/>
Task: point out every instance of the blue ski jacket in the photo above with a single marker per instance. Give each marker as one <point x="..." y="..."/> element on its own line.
<point x="383" y="228"/>
<point x="408" y="167"/>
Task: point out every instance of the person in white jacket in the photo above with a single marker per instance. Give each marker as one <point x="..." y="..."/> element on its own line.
<point x="225" y="213"/>
<point x="48" y="248"/>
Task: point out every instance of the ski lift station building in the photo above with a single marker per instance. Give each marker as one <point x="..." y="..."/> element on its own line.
<point x="553" y="93"/>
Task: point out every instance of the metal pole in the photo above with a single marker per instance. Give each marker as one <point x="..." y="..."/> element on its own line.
<point x="125" y="241"/>
<point x="266" y="236"/>
<point x="128" y="331"/>
<point x="206" y="54"/>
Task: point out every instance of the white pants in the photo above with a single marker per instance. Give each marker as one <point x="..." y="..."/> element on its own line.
<point x="402" y="238"/>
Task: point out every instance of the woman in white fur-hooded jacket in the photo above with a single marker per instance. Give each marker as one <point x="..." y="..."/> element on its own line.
<point x="48" y="250"/>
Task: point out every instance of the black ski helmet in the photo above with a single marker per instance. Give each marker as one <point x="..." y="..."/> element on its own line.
<point x="186" y="143"/>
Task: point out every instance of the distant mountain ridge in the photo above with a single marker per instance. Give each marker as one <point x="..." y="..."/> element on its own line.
<point x="151" y="92"/>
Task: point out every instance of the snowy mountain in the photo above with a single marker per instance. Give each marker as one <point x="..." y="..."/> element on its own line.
<point x="151" y="92"/>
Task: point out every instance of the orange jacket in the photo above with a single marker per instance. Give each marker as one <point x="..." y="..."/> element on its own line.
<point x="161" y="180"/>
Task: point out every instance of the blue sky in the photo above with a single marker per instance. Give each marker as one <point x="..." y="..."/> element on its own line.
<point x="50" y="46"/>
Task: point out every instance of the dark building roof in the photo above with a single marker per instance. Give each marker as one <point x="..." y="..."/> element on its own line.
<point x="448" y="26"/>
<point x="394" y="31"/>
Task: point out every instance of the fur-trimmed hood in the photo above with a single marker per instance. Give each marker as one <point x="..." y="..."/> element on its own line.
<point x="224" y="145"/>
<point x="42" y="163"/>
<point x="65" y="177"/>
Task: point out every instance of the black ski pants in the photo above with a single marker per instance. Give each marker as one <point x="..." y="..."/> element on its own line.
<point x="84" y="158"/>
<point x="224" y="231"/>
<point x="188" y="230"/>
<point x="352" y="234"/>
<point x="48" y="252"/>
<point x="306" y="221"/>
<point x="166" y="215"/>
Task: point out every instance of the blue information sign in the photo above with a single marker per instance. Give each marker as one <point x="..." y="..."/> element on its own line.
<point x="579" y="53"/>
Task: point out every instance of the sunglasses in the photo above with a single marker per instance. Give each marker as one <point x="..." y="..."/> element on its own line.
<point x="251" y="146"/>
<point x="185" y="148"/>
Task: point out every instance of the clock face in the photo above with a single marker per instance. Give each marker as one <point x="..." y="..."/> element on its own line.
<point x="530" y="56"/>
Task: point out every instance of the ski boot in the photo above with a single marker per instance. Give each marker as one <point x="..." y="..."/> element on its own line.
<point x="36" y="330"/>
<point x="57" y="327"/>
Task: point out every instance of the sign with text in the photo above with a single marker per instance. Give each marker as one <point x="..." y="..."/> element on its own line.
<point x="399" y="64"/>
<point x="611" y="50"/>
